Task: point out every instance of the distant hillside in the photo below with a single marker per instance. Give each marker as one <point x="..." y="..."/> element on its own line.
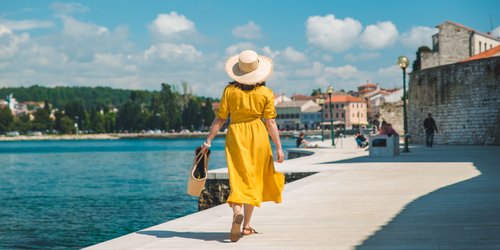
<point x="90" y="97"/>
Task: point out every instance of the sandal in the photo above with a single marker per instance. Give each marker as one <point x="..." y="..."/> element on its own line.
<point x="248" y="231"/>
<point x="235" y="234"/>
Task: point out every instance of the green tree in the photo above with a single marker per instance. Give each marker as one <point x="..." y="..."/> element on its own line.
<point x="98" y="123"/>
<point x="171" y="106"/>
<point x="75" y="110"/>
<point x="207" y="113"/>
<point x="42" y="120"/>
<point x="6" y="119"/>
<point x="67" y="125"/>
<point x="110" y="122"/>
<point x="22" y="123"/>
<point x="191" y="115"/>
<point x="316" y="92"/>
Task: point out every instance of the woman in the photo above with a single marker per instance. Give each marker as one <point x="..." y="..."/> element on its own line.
<point x="252" y="178"/>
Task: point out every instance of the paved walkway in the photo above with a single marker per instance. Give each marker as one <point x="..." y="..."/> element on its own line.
<point x="447" y="197"/>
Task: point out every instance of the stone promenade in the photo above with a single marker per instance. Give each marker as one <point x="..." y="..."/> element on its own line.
<point x="447" y="197"/>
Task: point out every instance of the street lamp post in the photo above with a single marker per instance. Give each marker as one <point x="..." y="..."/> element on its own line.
<point x="322" y="103"/>
<point x="330" y="92"/>
<point x="403" y="64"/>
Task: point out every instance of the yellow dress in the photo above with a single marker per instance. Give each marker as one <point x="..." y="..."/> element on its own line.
<point x="252" y="178"/>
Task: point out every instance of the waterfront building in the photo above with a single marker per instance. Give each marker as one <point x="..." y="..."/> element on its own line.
<point x="348" y="111"/>
<point x="455" y="42"/>
<point x="279" y="98"/>
<point x="297" y="115"/>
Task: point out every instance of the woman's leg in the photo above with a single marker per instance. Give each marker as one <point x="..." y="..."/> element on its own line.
<point x="235" y="233"/>
<point x="236" y="208"/>
<point x="248" y="215"/>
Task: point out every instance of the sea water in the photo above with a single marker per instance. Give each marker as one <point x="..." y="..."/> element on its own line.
<point x="73" y="194"/>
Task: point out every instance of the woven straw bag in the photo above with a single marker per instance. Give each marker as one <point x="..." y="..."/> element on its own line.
<point x="198" y="172"/>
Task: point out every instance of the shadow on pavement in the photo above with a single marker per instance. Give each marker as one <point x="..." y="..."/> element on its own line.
<point x="211" y="236"/>
<point x="465" y="215"/>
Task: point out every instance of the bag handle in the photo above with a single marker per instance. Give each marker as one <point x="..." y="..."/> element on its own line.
<point x="198" y="158"/>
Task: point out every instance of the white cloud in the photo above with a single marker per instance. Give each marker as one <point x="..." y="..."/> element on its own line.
<point x="292" y="55"/>
<point x="391" y="76"/>
<point x="115" y="61"/>
<point x="171" y="26"/>
<point x="418" y="36"/>
<point x="76" y="29"/>
<point x="26" y="24"/>
<point x="68" y="8"/>
<point x="496" y="32"/>
<point x="365" y="56"/>
<point x="248" y="31"/>
<point x="329" y="33"/>
<point x="171" y="52"/>
<point x="380" y="35"/>
<point x="237" y="48"/>
<point x="342" y="72"/>
<point x="10" y="42"/>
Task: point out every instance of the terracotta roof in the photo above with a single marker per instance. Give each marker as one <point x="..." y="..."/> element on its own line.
<point x="495" y="51"/>
<point x="345" y="98"/>
<point x="299" y="97"/>
<point x="369" y="85"/>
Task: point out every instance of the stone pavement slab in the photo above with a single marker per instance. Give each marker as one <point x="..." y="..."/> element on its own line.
<point x="447" y="197"/>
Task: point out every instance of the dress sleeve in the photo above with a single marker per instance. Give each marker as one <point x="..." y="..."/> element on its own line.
<point x="223" y="111"/>
<point x="269" y="109"/>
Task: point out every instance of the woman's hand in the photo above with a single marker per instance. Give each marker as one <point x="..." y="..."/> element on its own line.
<point x="281" y="155"/>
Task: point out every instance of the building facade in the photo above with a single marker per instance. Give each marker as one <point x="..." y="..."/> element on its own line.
<point x="297" y="115"/>
<point x="348" y="111"/>
<point x="454" y="43"/>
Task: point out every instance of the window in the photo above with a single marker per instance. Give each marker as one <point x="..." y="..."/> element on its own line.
<point x="491" y="46"/>
<point x="479" y="46"/>
<point x="286" y="116"/>
<point x="485" y="47"/>
<point x="352" y="115"/>
<point x="342" y="105"/>
<point x="342" y="115"/>
<point x="336" y="115"/>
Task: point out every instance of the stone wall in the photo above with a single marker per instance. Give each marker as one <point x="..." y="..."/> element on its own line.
<point x="217" y="190"/>
<point x="464" y="99"/>
<point x="393" y="113"/>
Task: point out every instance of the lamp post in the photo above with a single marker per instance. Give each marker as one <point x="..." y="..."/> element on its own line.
<point x="330" y="92"/>
<point x="322" y="103"/>
<point x="403" y="64"/>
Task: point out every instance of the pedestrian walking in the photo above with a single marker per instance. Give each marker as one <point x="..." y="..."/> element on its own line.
<point x="430" y="127"/>
<point x="250" y="105"/>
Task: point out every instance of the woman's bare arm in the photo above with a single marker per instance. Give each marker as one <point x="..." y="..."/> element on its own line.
<point x="214" y="129"/>
<point x="275" y="136"/>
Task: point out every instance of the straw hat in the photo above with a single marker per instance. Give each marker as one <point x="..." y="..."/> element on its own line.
<point x="249" y="68"/>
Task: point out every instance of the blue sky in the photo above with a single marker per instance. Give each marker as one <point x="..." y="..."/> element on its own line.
<point x="140" y="44"/>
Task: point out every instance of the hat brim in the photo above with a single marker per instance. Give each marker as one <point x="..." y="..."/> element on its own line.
<point x="257" y="76"/>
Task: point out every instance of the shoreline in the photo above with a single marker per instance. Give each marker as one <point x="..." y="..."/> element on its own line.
<point x="118" y="136"/>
